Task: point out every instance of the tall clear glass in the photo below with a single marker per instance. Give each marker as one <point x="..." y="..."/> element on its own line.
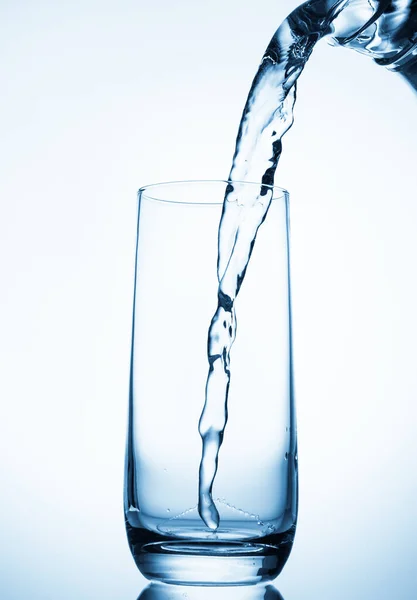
<point x="255" y="489"/>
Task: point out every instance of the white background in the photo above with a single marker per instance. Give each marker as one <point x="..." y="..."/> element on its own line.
<point x="99" y="98"/>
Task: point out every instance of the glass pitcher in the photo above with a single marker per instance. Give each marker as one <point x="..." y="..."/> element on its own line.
<point x="384" y="30"/>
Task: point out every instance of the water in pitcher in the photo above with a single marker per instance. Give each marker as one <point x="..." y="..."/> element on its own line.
<point x="384" y="30"/>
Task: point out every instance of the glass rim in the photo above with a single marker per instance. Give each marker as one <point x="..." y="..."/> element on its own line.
<point x="281" y="192"/>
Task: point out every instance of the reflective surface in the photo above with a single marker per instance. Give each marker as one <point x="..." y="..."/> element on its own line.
<point x="161" y="591"/>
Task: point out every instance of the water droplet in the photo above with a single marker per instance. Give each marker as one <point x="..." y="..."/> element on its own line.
<point x="286" y="456"/>
<point x="168" y="510"/>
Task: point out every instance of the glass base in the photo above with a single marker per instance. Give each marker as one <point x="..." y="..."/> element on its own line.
<point x="210" y="563"/>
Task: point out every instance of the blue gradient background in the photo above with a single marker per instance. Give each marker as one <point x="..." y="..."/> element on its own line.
<point x="99" y="98"/>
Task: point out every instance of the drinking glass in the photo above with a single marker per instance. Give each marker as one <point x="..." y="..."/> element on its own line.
<point x="255" y="489"/>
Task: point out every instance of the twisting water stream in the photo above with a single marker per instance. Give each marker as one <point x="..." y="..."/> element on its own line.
<point x="366" y="26"/>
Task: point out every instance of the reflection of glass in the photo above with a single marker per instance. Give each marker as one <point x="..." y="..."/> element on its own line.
<point x="161" y="591"/>
<point x="255" y="489"/>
